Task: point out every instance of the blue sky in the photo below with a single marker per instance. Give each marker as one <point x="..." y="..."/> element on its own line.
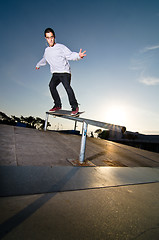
<point x="117" y="82"/>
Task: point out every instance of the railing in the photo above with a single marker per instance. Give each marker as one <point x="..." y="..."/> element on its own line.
<point x="86" y="121"/>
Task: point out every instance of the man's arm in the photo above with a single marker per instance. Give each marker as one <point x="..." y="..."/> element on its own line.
<point x="73" y="55"/>
<point x="41" y="63"/>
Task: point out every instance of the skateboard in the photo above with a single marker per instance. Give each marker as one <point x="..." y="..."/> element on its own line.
<point x="65" y="113"/>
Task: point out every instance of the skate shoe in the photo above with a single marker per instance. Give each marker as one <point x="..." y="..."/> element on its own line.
<point x="54" y="109"/>
<point x="75" y="111"/>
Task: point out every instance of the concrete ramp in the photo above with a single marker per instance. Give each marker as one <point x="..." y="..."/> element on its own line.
<point x="30" y="147"/>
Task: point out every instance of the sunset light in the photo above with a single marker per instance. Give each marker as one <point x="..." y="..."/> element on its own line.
<point x="116" y="115"/>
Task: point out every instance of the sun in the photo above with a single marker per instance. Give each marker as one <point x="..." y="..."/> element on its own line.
<point x="116" y="115"/>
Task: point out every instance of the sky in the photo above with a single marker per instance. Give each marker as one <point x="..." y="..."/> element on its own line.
<point x="117" y="82"/>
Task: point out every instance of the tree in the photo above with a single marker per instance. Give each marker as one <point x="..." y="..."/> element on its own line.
<point x="30" y="122"/>
<point x="3" y="116"/>
<point x="40" y="123"/>
<point x="15" y="119"/>
<point x="5" y="119"/>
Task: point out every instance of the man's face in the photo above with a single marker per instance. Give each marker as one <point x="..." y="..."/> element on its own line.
<point x="50" y="39"/>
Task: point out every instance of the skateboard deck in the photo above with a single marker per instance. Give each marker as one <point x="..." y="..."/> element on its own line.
<point x="65" y="113"/>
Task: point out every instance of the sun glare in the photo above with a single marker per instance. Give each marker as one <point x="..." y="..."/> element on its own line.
<point x="115" y="115"/>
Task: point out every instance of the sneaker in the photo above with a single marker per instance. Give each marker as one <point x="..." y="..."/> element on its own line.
<point x="54" y="109"/>
<point x="75" y="111"/>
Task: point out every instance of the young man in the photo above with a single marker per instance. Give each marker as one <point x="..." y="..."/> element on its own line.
<point x="57" y="56"/>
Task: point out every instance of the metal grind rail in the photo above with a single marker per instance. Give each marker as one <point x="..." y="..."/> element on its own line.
<point x="86" y="121"/>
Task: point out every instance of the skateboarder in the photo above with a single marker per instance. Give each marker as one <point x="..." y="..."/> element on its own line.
<point x="57" y="56"/>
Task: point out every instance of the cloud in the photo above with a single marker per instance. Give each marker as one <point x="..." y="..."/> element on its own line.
<point x="146" y="49"/>
<point x="145" y="63"/>
<point x="149" y="81"/>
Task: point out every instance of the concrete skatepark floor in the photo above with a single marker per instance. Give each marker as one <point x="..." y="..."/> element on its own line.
<point x="44" y="197"/>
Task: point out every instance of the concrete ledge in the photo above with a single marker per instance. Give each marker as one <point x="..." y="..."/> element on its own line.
<point x="27" y="180"/>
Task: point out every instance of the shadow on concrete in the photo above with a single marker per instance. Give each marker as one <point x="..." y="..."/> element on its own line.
<point x="21" y="216"/>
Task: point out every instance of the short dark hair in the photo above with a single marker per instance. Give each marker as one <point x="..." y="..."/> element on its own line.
<point x="47" y="30"/>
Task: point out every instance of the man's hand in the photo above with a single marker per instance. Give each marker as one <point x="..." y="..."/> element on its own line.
<point x="37" y="68"/>
<point x="82" y="54"/>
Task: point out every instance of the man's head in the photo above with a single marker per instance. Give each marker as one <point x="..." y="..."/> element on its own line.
<point x="50" y="36"/>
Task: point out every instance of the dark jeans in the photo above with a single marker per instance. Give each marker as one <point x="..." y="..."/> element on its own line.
<point x="65" y="79"/>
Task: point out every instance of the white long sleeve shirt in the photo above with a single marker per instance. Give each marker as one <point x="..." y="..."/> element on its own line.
<point x="58" y="58"/>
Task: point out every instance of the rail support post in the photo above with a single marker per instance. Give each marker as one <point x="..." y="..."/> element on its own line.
<point x="75" y="126"/>
<point x="83" y="142"/>
<point x="46" y="121"/>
